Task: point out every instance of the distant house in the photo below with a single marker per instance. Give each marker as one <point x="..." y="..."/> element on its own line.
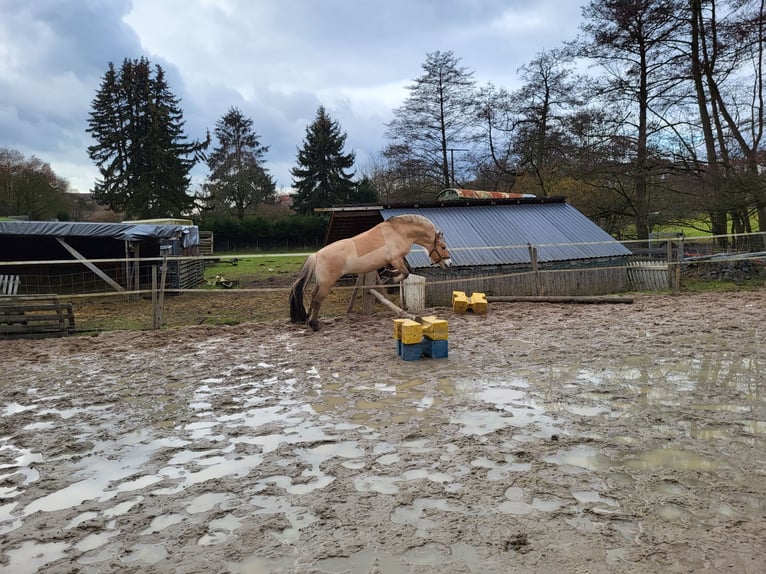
<point x="493" y="243"/>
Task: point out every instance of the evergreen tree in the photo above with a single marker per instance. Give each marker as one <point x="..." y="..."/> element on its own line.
<point x="238" y="178"/>
<point x="142" y="154"/>
<point x="320" y="177"/>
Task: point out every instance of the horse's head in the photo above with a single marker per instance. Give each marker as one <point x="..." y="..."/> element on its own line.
<point x="439" y="254"/>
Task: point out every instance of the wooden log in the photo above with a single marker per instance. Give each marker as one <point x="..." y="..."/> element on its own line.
<point x="368" y="303"/>
<point x="592" y="299"/>
<point x="391" y="305"/>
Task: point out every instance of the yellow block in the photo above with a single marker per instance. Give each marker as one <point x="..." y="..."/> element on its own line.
<point x="408" y="331"/>
<point x="398" y="328"/>
<point x="478" y="303"/>
<point x="435" y="329"/>
<point x="459" y="302"/>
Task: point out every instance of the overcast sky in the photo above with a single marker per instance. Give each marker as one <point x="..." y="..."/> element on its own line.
<point x="275" y="60"/>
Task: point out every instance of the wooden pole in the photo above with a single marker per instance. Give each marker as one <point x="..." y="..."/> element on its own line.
<point x="161" y="298"/>
<point x="368" y="302"/>
<point x="391" y="305"/>
<point x="558" y="299"/>
<point x="535" y="268"/>
<point x="155" y="310"/>
<point x="670" y="263"/>
<point x="679" y="258"/>
<point x="357" y="286"/>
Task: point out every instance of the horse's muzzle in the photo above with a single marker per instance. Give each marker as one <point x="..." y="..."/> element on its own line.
<point x="445" y="262"/>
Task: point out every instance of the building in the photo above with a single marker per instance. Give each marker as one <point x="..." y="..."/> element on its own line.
<point x="100" y="256"/>
<point x="504" y="246"/>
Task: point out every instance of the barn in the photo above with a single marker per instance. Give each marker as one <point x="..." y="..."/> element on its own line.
<point x="513" y="245"/>
<point x="98" y="256"/>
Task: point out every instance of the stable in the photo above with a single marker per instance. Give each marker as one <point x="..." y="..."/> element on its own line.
<point x="50" y="257"/>
<point x="504" y="246"/>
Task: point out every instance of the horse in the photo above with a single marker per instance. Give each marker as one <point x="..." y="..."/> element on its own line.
<point x="385" y="244"/>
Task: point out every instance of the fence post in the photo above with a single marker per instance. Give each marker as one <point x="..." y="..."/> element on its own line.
<point x="670" y="272"/>
<point x="535" y="269"/>
<point x="679" y="259"/>
<point x="155" y="310"/>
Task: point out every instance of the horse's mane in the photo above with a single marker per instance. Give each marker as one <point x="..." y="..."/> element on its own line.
<point x="413" y="219"/>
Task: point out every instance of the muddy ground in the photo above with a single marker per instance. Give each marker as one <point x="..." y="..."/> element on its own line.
<point x="553" y="438"/>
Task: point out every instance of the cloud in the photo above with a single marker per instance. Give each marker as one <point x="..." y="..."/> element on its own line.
<point x="276" y="60"/>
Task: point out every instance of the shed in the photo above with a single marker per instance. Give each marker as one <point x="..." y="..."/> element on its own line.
<point x="505" y="246"/>
<point x="104" y="256"/>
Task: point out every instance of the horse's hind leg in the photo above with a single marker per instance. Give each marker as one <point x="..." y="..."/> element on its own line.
<point x="317" y="296"/>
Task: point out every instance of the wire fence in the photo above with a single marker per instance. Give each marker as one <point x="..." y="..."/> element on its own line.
<point x="138" y="286"/>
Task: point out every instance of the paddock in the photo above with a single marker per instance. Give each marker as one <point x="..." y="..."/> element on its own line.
<point x="555" y="437"/>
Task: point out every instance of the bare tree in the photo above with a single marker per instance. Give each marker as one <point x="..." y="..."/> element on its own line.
<point x="549" y="95"/>
<point x="632" y="42"/>
<point x="494" y="158"/>
<point x="727" y="65"/>
<point x="29" y="187"/>
<point x="435" y="122"/>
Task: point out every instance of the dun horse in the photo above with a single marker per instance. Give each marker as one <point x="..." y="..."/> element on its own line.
<point x="386" y="243"/>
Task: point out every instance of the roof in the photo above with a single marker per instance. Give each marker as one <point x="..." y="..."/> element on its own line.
<point x="121" y="231"/>
<point x="496" y="233"/>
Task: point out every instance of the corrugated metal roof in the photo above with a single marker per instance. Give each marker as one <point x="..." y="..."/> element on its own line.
<point x="500" y="234"/>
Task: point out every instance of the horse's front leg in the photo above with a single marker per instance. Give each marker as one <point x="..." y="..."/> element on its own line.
<point x="401" y="267"/>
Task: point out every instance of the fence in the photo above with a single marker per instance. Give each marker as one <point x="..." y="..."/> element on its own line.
<point x="664" y="265"/>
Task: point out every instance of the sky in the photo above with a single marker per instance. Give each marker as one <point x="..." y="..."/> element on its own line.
<point x="277" y="61"/>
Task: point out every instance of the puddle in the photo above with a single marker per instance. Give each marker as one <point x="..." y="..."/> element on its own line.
<point x="160" y="523"/>
<point x="417" y="514"/>
<point x="147" y="553"/>
<point x="673" y="458"/>
<point x="582" y="456"/>
<point x="285" y="448"/>
<point x="31" y="557"/>
<point x="516" y="505"/>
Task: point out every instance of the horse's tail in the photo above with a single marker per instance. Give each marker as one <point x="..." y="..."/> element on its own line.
<point x="298" y="312"/>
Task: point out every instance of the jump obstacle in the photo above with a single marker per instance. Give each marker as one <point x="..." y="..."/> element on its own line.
<point x="427" y="338"/>
<point x="476" y="303"/>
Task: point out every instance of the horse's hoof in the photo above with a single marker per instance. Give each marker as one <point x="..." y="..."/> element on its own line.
<point x="314" y="325"/>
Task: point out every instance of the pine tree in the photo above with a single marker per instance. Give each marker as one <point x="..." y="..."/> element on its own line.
<point x="238" y="178"/>
<point x="142" y="154"/>
<point x="320" y="178"/>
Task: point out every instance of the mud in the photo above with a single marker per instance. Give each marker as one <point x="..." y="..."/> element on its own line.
<point x="553" y="438"/>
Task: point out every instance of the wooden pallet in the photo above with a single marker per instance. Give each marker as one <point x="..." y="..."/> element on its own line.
<point x="27" y="317"/>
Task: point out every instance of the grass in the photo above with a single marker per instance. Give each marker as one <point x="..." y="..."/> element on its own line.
<point x="700" y="227"/>
<point x="694" y="285"/>
<point x="248" y="268"/>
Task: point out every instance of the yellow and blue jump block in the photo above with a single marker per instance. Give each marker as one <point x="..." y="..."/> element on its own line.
<point x="476" y="303"/>
<point x="428" y="338"/>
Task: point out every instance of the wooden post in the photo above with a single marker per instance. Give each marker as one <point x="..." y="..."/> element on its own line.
<point x="679" y="258"/>
<point x="670" y="263"/>
<point x="155" y="310"/>
<point x="535" y="270"/>
<point x="368" y="300"/>
<point x="354" y="293"/>
<point x="161" y="298"/>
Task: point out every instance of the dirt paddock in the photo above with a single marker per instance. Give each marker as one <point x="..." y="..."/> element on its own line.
<point x="554" y="438"/>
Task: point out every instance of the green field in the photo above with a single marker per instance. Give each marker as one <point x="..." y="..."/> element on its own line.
<point x="254" y="268"/>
